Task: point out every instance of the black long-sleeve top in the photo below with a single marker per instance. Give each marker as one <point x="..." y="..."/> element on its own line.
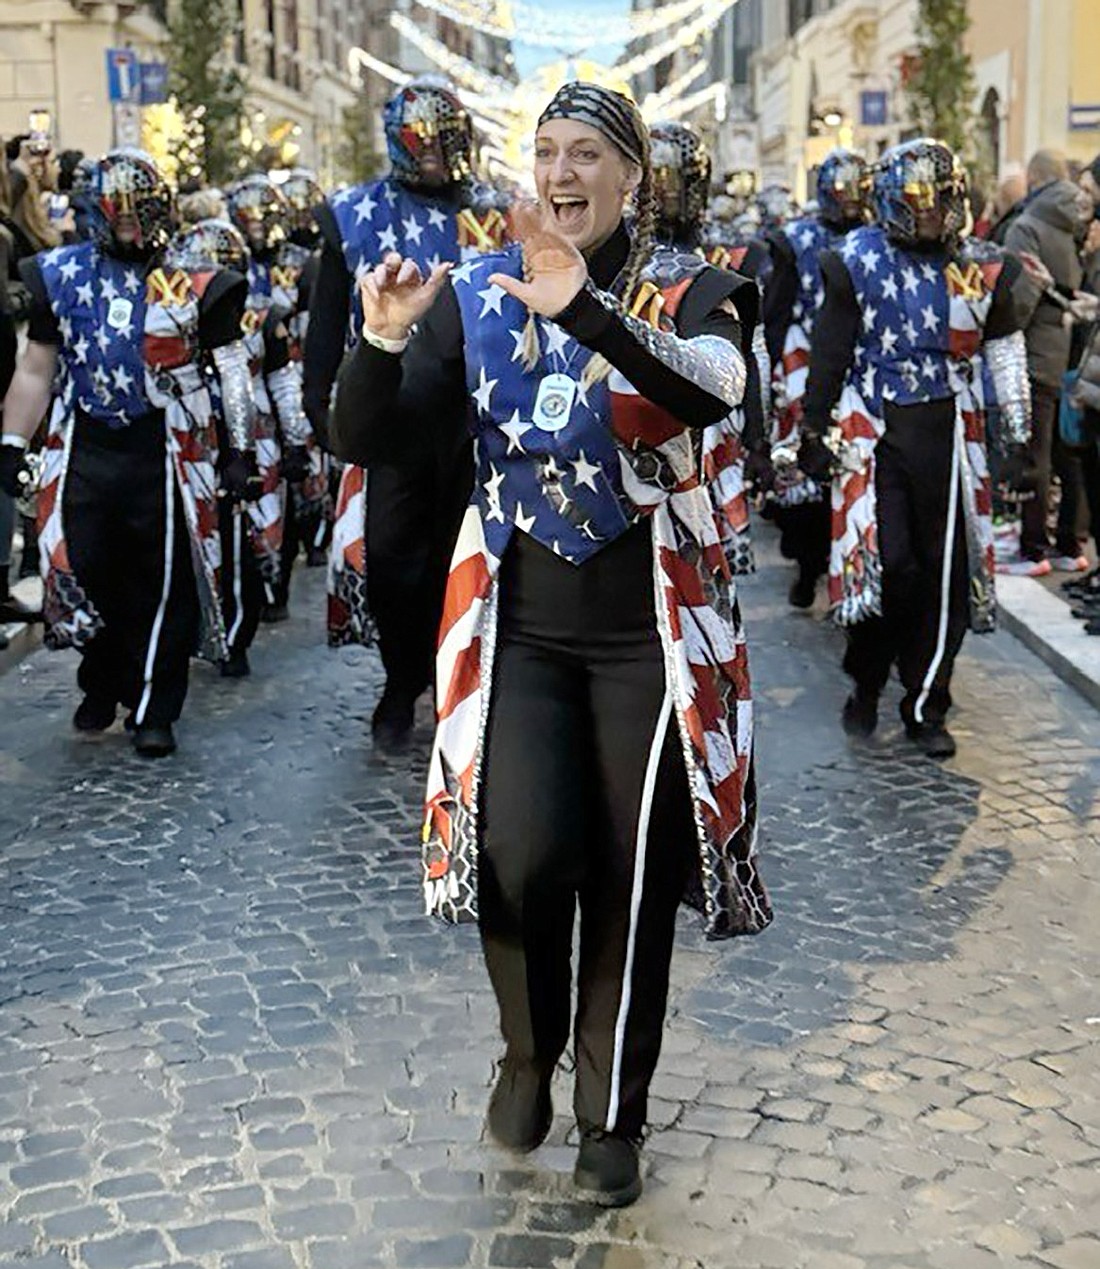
<point x="780" y="294"/>
<point x="837" y="327"/>
<point x="389" y="408"/>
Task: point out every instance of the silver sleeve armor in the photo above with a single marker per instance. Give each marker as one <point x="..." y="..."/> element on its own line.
<point x="285" y="389"/>
<point x="709" y="361"/>
<point x="764" y="366"/>
<point x="1007" y="361"/>
<point x="238" y="406"/>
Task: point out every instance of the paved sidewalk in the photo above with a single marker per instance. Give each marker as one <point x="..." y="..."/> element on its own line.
<point x="228" y="1039"/>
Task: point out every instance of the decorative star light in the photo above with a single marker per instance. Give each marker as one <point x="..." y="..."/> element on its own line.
<point x="484" y="391"/>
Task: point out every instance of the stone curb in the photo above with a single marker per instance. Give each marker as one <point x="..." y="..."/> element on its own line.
<point x="1042" y="622"/>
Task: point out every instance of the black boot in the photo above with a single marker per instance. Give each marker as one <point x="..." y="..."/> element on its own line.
<point x="860" y="714"/>
<point x="272" y="614"/>
<point x="931" y="735"/>
<point x="235" y="666"/>
<point x="29" y="565"/>
<point x="153" y="741"/>
<point x="607" y="1169"/>
<point x="520" y="1109"/>
<point x="13" y="609"/>
<point x="801" y="594"/>
<point x="392" y="722"/>
<point x="94" y="713"/>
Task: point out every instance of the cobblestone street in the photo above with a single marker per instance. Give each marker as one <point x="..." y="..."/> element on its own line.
<point x="229" y="1039"/>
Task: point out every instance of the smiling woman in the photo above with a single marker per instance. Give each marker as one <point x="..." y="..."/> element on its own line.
<point x="595" y="723"/>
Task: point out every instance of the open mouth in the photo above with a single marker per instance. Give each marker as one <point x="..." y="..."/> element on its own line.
<point x="568" y="210"/>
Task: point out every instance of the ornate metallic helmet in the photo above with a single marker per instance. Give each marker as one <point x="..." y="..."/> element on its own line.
<point x="210" y="243"/>
<point x="920" y="192"/>
<point x="843" y="188"/>
<point x="775" y="205"/>
<point x="681" y="180"/>
<point x="302" y="191"/>
<point x="260" y="212"/>
<point x="429" y="135"/>
<point x="134" y="204"/>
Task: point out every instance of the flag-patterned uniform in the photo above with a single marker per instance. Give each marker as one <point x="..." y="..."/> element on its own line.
<point x="374" y="219"/>
<point x="808" y="237"/>
<point x="614" y="460"/>
<point x="921" y="336"/>
<point x="130" y="345"/>
<point x="266" y="514"/>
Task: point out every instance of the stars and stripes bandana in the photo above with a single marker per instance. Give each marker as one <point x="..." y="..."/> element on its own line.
<point x="609" y="112"/>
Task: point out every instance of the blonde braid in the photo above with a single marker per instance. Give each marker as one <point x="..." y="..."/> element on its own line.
<point x="529" y="348"/>
<point x="641" y="248"/>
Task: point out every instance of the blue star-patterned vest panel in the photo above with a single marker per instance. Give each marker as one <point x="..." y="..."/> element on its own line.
<point x="902" y="353"/>
<point x="386" y="216"/>
<point x="547" y="462"/>
<point x="808" y="237"/>
<point x="99" y="303"/>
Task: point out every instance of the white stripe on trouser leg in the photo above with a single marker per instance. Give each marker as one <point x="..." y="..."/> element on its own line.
<point x="169" y="552"/>
<point x="945" y="581"/>
<point x="641" y="842"/>
<point x="238" y="604"/>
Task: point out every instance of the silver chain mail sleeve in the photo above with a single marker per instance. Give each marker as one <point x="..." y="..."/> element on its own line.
<point x="764" y="366"/>
<point x="1006" y="358"/>
<point x="285" y="389"/>
<point x="709" y="361"/>
<point x="238" y="407"/>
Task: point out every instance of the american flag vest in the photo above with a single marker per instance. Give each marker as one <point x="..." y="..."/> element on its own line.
<point x="99" y="304"/>
<point x="699" y="623"/>
<point x="922" y="330"/>
<point x="808" y="237"/>
<point x="387" y="216"/>
<point x="169" y="354"/>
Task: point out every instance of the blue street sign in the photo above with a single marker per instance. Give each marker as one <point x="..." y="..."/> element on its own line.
<point x="123" y="79"/>
<point x="872" y="108"/>
<point x="154" y="82"/>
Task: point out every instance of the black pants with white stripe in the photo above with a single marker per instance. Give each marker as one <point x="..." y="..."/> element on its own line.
<point x="124" y="523"/>
<point x="242" y="587"/>
<point x="585" y="803"/>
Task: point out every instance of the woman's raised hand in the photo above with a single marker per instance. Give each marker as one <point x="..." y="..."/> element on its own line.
<point x="554" y="268"/>
<point x="395" y="295"/>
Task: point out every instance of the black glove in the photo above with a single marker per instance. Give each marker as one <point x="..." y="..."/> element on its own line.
<point x="759" y="470"/>
<point x="815" y="458"/>
<point x="14" y="471"/>
<point x="240" y="479"/>
<point x="295" y="463"/>
<point x="1017" y="476"/>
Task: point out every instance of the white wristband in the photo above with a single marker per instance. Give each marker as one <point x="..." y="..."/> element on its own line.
<point x="14" y="440"/>
<point x="386" y="345"/>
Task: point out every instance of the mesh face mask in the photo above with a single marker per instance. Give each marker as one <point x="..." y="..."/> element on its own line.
<point x="260" y="212"/>
<point x="429" y="136"/>
<point x="843" y="188"/>
<point x="681" y="179"/>
<point x="916" y="181"/>
<point x="136" y="208"/>
<point x="210" y="243"/>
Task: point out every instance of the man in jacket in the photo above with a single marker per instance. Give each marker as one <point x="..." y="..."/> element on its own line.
<point x="1051" y="228"/>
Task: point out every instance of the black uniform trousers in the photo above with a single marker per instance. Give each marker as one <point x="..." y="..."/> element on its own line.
<point x="585" y="801"/>
<point x="414" y="510"/>
<point x="242" y="587"/>
<point x="131" y="552"/>
<point x="913" y="463"/>
<point x="805" y="536"/>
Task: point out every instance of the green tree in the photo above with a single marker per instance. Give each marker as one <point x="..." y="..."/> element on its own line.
<point x="356" y="156"/>
<point x="941" y="85"/>
<point x="208" y="87"/>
